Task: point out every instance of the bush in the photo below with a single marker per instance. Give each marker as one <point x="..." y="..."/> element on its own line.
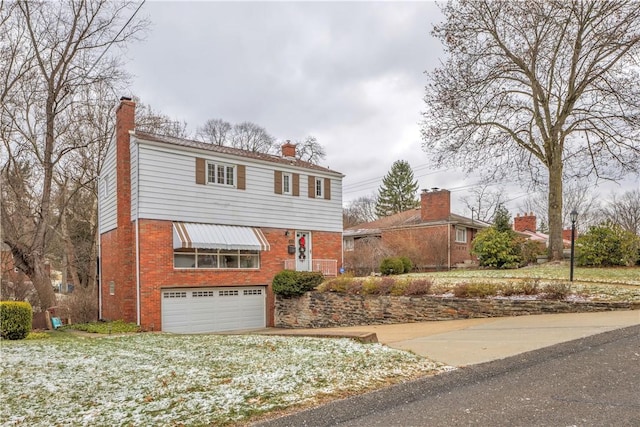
<point x="557" y="291"/>
<point x="498" y="249"/>
<point x="289" y="283"/>
<point x="475" y="290"/>
<point x="406" y="264"/>
<point x="607" y="245"/>
<point x="530" y="250"/>
<point x="418" y="287"/>
<point x="15" y="319"/>
<point x="392" y="265"/>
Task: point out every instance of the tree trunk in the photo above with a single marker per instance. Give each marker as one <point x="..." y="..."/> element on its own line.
<point x="42" y="282"/>
<point x="555" y="211"/>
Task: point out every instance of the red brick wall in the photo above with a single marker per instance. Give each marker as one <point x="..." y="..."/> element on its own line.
<point x="427" y="247"/>
<point x="117" y="246"/>
<point x="435" y="205"/>
<point x="157" y="272"/>
<point x="525" y="222"/>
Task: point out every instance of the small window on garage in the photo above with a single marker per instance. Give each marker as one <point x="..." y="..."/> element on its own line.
<point x="112" y="288"/>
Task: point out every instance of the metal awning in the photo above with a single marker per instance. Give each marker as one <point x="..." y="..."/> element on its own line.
<point x="213" y="236"/>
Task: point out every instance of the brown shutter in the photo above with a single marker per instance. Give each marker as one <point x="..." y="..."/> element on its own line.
<point x="296" y="184"/>
<point x="327" y="189"/>
<point x="242" y="177"/>
<point x="312" y="187"/>
<point x="201" y="171"/>
<point x="277" y="182"/>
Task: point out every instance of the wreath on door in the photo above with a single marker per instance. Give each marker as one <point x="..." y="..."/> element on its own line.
<point x="302" y="249"/>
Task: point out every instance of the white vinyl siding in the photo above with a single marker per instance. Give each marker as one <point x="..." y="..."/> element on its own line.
<point x="167" y="191"/>
<point x="134" y="180"/>
<point x="107" y="208"/>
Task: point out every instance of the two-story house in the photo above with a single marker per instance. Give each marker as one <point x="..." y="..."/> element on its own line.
<point x="192" y="234"/>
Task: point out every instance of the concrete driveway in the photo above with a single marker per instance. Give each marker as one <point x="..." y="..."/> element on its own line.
<point x="472" y="341"/>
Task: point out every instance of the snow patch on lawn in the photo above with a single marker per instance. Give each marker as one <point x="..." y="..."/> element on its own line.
<point x="158" y="379"/>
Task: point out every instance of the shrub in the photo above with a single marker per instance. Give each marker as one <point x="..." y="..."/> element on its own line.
<point x="406" y="264"/>
<point x="557" y="291"/>
<point x="530" y="287"/>
<point x="607" y="245"/>
<point x="475" y="290"/>
<point x="530" y="251"/>
<point x="354" y="287"/>
<point x="498" y="249"/>
<point x="399" y="288"/>
<point x="15" y="319"/>
<point x="337" y="284"/>
<point x="392" y="265"/>
<point x="289" y="283"/>
<point x="509" y="289"/>
<point x="418" y="287"/>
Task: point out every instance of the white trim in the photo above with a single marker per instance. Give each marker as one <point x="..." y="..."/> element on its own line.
<point x="138" y="308"/>
<point x="463" y="231"/>
<point x="287" y="183"/>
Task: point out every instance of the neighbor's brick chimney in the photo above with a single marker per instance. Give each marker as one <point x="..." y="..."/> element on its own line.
<point x="288" y="149"/>
<point x="435" y="204"/>
<point x="525" y="222"/>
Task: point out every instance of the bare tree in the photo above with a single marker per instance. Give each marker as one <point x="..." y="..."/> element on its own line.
<point x="56" y="51"/>
<point x="251" y="137"/>
<point x="359" y="211"/>
<point x="483" y="202"/>
<point x="215" y="131"/>
<point x="576" y="195"/>
<point x="625" y="211"/>
<point x="544" y="89"/>
<point x="310" y="150"/>
<point x="149" y="120"/>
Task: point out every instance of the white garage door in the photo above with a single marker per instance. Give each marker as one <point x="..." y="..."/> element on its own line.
<point x="213" y="309"/>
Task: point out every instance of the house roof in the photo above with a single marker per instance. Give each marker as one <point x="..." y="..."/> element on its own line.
<point x="231" y="151"/>
<point x="408" y="218"/>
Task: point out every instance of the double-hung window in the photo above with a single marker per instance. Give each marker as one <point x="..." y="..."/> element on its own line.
<point x="461" y="235"/>
<point x="221" y="173"/>
<point x="319" y="187"/>
<point x="286" y="183"/>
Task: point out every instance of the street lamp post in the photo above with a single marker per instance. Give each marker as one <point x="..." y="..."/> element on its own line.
<point x="574" y="218"/>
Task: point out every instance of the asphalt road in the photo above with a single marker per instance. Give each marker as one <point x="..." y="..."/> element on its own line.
<point x="594" y="381"/>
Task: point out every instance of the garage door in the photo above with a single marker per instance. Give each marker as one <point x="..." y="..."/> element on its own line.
<point x="213" y="309"/>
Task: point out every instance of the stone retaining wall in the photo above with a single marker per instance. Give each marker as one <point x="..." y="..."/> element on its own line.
<point x="327" y="309"/>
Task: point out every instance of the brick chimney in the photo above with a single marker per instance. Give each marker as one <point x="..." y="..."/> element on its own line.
<point x="525" y="222"/>
<point x="288" y="149"/>
<point x="125" y="122"/>
<point x="435" y="204"/>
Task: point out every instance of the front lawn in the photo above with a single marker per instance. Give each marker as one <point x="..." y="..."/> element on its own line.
<point x="161" y="379"/>
<point x="548" y="271"/>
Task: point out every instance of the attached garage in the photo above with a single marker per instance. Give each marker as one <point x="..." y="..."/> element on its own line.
<point x="199" y="310"/>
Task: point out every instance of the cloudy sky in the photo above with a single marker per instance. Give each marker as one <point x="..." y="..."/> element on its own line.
<point x="350" y="74"/>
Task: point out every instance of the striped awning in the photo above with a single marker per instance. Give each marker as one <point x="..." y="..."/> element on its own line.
<point x="212" y="236"/>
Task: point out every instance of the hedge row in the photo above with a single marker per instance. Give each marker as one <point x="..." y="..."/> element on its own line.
<point x="15" y="319"/>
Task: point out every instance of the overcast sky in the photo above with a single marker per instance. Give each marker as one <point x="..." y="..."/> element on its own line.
<point x="350" y="74"/>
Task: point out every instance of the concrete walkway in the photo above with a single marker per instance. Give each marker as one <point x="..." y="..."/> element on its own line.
<point x="472" y="341"/>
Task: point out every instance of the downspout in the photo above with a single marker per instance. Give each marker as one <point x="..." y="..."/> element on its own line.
<point x="137" y="269"/>
<point x="99" y="266"/>
<point x="448" y="247"/>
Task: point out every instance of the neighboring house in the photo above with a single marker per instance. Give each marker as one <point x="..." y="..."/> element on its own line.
<point x="192" y="234"/>
<point x="526" y="226"/>
<point x="431" y="236"/>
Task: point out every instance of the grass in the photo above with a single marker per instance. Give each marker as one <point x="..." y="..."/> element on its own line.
<point x="163" y="380"/>
<point x="548" y="271"/>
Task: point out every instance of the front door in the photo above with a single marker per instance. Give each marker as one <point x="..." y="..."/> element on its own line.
<point x="303" y="251"/>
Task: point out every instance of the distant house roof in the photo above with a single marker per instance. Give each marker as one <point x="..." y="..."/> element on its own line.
<point x="407" y="219"/>
<point x="290" y="161"/>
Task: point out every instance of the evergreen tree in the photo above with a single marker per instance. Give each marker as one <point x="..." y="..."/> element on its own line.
<point x="398" y="190"/>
